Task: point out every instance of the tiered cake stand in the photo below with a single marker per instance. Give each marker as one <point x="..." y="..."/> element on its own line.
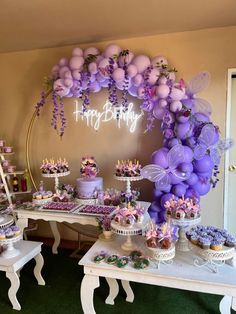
<point x="136" y="229"/>
<point x="182" y="244"/>
<point x="10" y="251"/>
<point x="162" y="256"/>
<point x="213" y="259"/>
<point x="56" y="176"/>
<point x="128" y="181"/>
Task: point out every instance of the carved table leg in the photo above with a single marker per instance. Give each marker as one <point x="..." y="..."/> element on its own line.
<point x="37" y="269"/>
<point x="57" y="237"/>
<point x="22" y="224"/>
<point x="89" y="283"/>
<point x="15" y="284"/>
<point x="128" y="290"/>
<point x="113" y="292"/>
<point x="225" y="305"/>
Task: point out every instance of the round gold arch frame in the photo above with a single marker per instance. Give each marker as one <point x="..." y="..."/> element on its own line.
<point x="28" y="137"/>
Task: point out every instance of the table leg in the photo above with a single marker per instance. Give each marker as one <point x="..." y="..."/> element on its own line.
<point x="37" y="269"/>
<point x="225" y="305"/>
<point x="128" y="290"/>
<point x="113" y="290"/>
<point x="22" y="223"/>
<point x="234" y="304"/>
<point x="15" y="284"/>
<point x="57" y="237"/>
<point x="89" y="283"/>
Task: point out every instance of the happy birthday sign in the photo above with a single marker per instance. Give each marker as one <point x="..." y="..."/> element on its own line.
<point x="94" y="118"/>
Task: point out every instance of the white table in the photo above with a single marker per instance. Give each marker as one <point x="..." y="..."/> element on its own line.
<point x="12" y="267"/>
<point x="54" y="217"/>
<point x="182" y="274"/>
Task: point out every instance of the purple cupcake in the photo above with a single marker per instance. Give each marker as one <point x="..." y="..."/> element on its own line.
<point x="230" y="241"/>
<point x="204" y="243"/>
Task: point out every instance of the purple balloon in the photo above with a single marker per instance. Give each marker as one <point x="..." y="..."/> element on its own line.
<point x="153" y="214"/>
<point x="184" y="130"/>
<point x="182" y="117"/>
<point x="159" y="157"/>
<point x="174" y="179"/>
<point x="166" y="189"/>
<point x="185" y="167"/>
<point x="173" y="142"/>
<point x="179" y="189"/>
<point x="201" y="117"/>
<point x="187" y="103"/>
<point x="202" y="186"/>
<point x="205" y="164"/>
<point x="166" y="197"/>
<point x="192" y="179"/>
<point x="190" y="193"/>
<point x="188" y="154"/>
<point x="157" y="193"/>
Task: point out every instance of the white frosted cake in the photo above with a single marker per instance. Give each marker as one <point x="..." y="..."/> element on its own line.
<point x="88" y="187"/>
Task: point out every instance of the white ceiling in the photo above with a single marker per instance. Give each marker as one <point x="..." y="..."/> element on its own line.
<point x="32" y="24"/>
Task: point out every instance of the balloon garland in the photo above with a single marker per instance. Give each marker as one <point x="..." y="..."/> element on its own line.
<point x="187" y="164"/>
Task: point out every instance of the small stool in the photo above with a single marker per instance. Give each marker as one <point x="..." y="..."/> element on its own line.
<point x="12" y="267"/>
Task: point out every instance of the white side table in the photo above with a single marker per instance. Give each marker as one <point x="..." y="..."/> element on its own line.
<point x="12" y="266"/>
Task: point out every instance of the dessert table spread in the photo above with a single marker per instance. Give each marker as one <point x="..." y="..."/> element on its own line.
<point x="181" y="274"/>
<point x="24" y="215"/>
<point x="12" y="266"/>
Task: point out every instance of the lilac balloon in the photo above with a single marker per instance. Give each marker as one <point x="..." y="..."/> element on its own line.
<point x="118" y="75"/>
<point x="137" y="80"/>
<point x="68" y="75"/>
<point x="112" y="50"/>
<point x="168" y="133"/>
<point x="174" y="179"/>
<point x="191" y="193"/>
<point x="172" y="142"/>
<point x="153" y="214"/>
<point x="182" y="116"/>
<point x="167" y="189"/>
<point x="63" y="62"/>
<point x="202" y="186"/>
<point x="159" y="112"/>
<point x="179" y="189"/>
<point x="140" y="92"/>
<point x="100" y="78"/>
<point x="103" y="67"/>
<point x="76" y="63"/>
<point x="201" y="117"/>
<point x="176" y="106"/>
<point x="104" y="83"/>
<point x="203" y="165"/>
<point x="185" y="167"/>
<point x="78" y="52"/>
<point x="155" y="207"/>
<point x="95" y="87"/>
<point x="76" y="74"/>
<point x="177" y="93"/>
<point x="192" y="179"/>
<point x="157" y="193"/>
<point x="162" y="80"/>
<point x="63" y="70"/>
<point x="153" y="76"/>
<point x="188" y="154"/>
<point x="159" y="157"/>
<point x="162" y="91"/>
<point x="132" y="70"/>
<point x="133" y="91"/>
<point x="91" y="51"/>
<point x="207" y="174"/>
<point x="92" y="67"/>
<point x="68" y="82"/>
<point x="162" y="103"/>
<point x="141" y="62"/>
<point x="166" y="197"/>
<point x="184" y="130"/>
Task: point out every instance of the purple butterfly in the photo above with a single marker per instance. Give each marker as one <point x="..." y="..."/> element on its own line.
<point x="160" y="175"/>
<point x="197" y="84"/>
<point x="206" y="144"/>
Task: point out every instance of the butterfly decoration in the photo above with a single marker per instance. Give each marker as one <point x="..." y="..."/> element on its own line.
<point x="205" y="144"/>
<point x="197" y="84"/>
<point x="161" y="176"/>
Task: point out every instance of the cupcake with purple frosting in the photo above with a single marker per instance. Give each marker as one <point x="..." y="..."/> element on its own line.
<point x="204" y="243"/>
<point x="230" y="241"/>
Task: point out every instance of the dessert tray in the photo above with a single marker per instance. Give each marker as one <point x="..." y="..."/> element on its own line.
<point x="213" y="259"/>
<point x="95" y="210"/>
<point x="42" y="201"/>
<point x="62" y="207"/>
<point x="162" y="256"/>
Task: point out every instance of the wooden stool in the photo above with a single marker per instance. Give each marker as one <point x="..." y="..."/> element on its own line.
<point x="12" y="267"/>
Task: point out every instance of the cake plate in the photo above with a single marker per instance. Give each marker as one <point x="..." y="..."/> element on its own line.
<point x="182" y="244"/>
<point x="162" y="256"/>
<point x="6" y="221"/>
<point x="56" y="176"/>
<point x="136" y="229"/>
<point x="213" y="259"/>
<point x="128" y="181"/>
<point x="10" y="251"/>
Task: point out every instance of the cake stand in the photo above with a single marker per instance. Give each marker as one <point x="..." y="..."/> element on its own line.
<point x="213" y="259"/>
<point x="136" y="229"/>
<point x="182" y="244"/>
<point x="10" y="251"/>
<point x="6" y="221"/>
<point x="162" y="256"/>
<point x="56" y="176"/>
<point x="128" y="181"/>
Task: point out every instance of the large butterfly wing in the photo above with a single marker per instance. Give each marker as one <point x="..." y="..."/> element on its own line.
<point x="207" y="135"/>
<point x="200" y="151"/>
<point x="202" y="106"/>
<point x="215" y="156"/>
<point x="153" y="172"/>
<point x="198" y="83"/>
<point x="175" y="156"/>
<point x="224" y="145"/>
<point x="163" y="182"/>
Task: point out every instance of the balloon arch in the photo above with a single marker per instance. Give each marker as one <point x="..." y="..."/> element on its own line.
<point x="187" y="164"/>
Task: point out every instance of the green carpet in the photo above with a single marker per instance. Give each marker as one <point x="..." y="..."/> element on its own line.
<point x="61" y="295"/>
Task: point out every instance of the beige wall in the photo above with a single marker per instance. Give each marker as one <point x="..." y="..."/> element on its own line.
<point x="21" y="75"/>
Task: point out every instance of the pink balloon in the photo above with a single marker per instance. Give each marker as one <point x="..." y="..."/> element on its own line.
<point x="92" y="67"/>
<point x="63" y="62"/>
<point x="141" y="62"/>
<point x="162" y="91"/>
<point x="91" y="51"/>
<point x="162" y="103"/>
<point x="112" y="50"/>
<point x="126" y="59"/>
<point x="176" y="106"/>
<point x="60" y="88"/>
<point x="63" y="70"/>
<point x="159" y="60"/>
<point x="137" y="80"/>
<point x="68" y="82"/>
<point x="103" y="67"/>
<point x="76" y="74"/>
<point x="76" y="63"/>
<point x="153" y="76"/>
<point x="78" y="52"/>
<point x="118" y="75"/>
<point x="68" y="74"/>
<point x="162" y="80"/>
<point x="159" y="112"/>
<point x="177" y="94"/>
<point x="140" y="92"/>
<point x="132" y="70"/>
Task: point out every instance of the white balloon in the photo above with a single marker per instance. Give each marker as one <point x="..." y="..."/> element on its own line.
<point x="78" y="52"/>
<point x="132" y="70"/>
<point x="76" y="74"/>
<point x="153" y="76"/>
<point x="68" y="82"/>
<point x="177" y="93"/>
<point x="141" y="62"/>
<point x="92" y="67"/>
<point x="76" y="62"/>
<point x="137" y="80"/>
<point x="176" y="106"/>
<point x="126" y="59"/>
<point x="68" y="74"/>
<point x="112" y="50"/>
<point x="63" y="70"/>
<point x="118" y="75"/>
<point x="162" y="80"/>
<point x="162" y="91"/>
<point x="63" y="62"/>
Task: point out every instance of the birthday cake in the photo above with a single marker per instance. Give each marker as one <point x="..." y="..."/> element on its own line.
<point x="89" y="185"/>
<point x="52" y="167"/>
<point x="128" y="168"/>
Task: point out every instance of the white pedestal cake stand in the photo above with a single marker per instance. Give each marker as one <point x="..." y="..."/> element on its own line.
<point x="128" y="181"/>
<point x="6" y="221"/>
<point x="162" y="256"/>
<point x="182" y="244"/>
<point x="10" y="251"/>
<point x="136" y="229"/>
<point x="56" y="176"/>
